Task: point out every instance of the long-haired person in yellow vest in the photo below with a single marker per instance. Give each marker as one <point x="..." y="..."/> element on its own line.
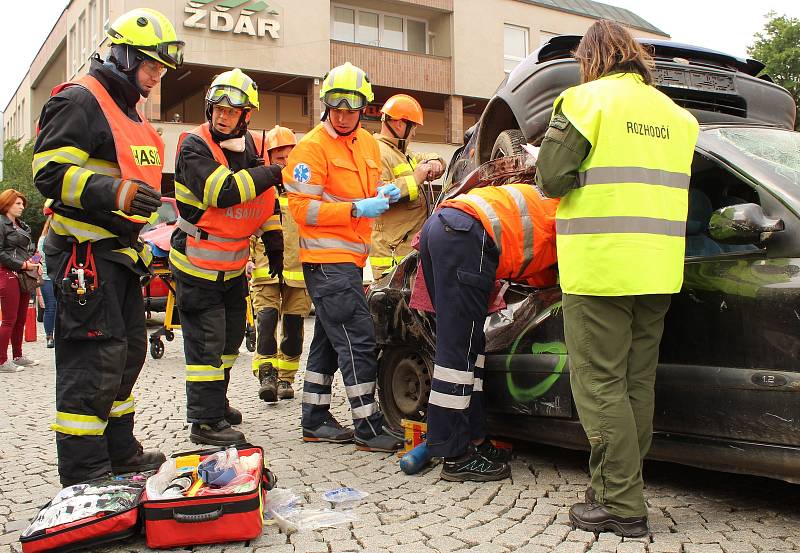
<point x="619" y="153"/>
<point x="98" y="161"/>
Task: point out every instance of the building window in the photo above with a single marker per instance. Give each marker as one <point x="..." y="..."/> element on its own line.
<point x="344" y="24"/>
<point x="73" y="51"/>
<point x="417" y="37"/>
<point x="93" y="24"/>
<point x="82" y="37"/>
<point x="106" y="15"/>
<point x="515" y="46"/>
<point x="368" y="28"/>
<point x="373" y="28"/>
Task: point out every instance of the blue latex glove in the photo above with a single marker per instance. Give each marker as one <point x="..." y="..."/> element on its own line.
<point x="390" y="191"/>
<point x="372" y="207"/>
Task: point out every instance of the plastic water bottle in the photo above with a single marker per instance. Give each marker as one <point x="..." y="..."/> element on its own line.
<point x="416" y="459"/>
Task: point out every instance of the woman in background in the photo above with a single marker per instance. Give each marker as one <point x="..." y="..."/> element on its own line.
<point x="16" y="249"/>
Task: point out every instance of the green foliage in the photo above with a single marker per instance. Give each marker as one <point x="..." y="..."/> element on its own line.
<point x="778" y="48"/>
<point x="17" y="175"/>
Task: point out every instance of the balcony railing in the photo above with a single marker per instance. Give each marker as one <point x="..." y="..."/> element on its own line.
<point x="397" y="68"/>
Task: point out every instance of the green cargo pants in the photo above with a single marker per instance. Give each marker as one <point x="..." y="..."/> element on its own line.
<point x="613" y="351"/>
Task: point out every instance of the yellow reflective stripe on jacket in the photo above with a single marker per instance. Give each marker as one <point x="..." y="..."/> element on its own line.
<point x="214" y="184"/>
<point x="283" y="201"/>
<point x="184" y="195"/>
<point x="73" y="184"/>
<point x="124" y="407"/>
<point x="402" y="168"/>
<point x="103" y="167"/>
<point x="244" y="182"/>
<point x="79" y="425"/>
<point x="381" y="261"/>
<point x="229" y="359"/>
<point x="204" y="373"/>
<point x="182" y="263"/>
<point x="66" y="155"/>
<point x="81" y="231"/>
<point x="413" y="189"/>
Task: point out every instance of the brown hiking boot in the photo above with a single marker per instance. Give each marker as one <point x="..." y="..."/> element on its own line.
<point x="285" y="390"/>
<point x="268" y="377"/>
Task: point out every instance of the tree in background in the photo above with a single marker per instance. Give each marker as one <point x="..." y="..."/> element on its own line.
<point x="778" y="48"/>
<point x="17" y="175"/>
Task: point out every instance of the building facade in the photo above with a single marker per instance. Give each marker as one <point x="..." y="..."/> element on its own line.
<point x="449" y="54"/>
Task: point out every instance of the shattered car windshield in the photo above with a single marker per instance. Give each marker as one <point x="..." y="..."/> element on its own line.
<point x="773" y="149"/>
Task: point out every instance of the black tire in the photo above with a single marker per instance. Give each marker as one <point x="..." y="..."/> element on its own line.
<point x="250" y="338"/>
<point x="157" y="348"/>
<point x="404" y="384"/>
<point x="509" y="143"/>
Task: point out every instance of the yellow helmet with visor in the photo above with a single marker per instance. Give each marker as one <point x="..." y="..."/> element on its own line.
<point x="149" y="32"/>
<point x="346" y="87"/>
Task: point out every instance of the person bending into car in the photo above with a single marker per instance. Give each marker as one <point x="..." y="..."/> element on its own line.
<point x="491" y="233"/>
<point x="619" y="152"/>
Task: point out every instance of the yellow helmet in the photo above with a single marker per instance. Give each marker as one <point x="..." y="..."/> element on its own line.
<point x="149" y="32"/>
<point x="235" y="88"/>
<point x="346" y="86"/>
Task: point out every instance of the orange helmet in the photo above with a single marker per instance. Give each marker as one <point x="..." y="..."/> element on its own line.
<point x="403" y="106"/>
<point x="279" y="136"/>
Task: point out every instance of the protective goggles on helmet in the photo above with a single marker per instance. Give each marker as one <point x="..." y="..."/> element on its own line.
<point x="235" y="97"/>
<point x="170" y="52"/>
<point x="338" y="99"/>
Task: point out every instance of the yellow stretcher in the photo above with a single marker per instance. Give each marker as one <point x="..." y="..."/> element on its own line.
<point x="172" y="319"/>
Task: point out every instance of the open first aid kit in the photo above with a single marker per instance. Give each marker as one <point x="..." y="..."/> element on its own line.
<point x="200" y="497"/>
<point x="209" y="496"/>
<point x="86" y="515"/>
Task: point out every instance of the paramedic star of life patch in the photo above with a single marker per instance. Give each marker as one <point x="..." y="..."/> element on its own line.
<point x="302" y="172"/>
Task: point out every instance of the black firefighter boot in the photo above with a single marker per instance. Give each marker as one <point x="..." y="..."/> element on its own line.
<point x="268" y="377"/>
<point x="125" y="451"/>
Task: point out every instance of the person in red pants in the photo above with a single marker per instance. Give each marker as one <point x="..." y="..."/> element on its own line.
<point x="16" y="249"/>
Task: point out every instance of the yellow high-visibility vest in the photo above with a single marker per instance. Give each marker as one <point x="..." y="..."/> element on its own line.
<point x="621" y="231"/>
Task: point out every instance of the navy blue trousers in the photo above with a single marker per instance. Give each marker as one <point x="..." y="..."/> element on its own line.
<point x="459" y="260"/>
<point x="344" y="338"/>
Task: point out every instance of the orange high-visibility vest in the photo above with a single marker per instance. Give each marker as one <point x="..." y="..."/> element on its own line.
<point x="324" y="176"/>
<point x="139" y="148"/>
<point x="222" y="243"/>
<point x="522" y="224"/>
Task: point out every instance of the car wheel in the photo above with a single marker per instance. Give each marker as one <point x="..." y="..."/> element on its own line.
<point x="509" y="143"/>
<point x="404" y="384"/>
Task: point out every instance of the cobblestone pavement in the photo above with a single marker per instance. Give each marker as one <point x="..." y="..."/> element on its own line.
<point x="691" y="511"/>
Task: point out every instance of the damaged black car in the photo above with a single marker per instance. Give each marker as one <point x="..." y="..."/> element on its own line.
<point x="728" y="381"/>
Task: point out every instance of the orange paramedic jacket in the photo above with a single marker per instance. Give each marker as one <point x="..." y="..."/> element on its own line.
<point x="325" y="174"/>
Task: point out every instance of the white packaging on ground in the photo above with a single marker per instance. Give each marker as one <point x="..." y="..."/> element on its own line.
<point x="283" y="506"/>
<point x="344" y="498"/>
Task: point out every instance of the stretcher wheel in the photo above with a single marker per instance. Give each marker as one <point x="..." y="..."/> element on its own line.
<point x="250" y="338"/>
<point x="157" y="348"/>
<point x="169" y="335"/>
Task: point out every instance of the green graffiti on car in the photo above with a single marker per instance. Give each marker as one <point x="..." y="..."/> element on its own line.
<point x="555" y="348"/>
